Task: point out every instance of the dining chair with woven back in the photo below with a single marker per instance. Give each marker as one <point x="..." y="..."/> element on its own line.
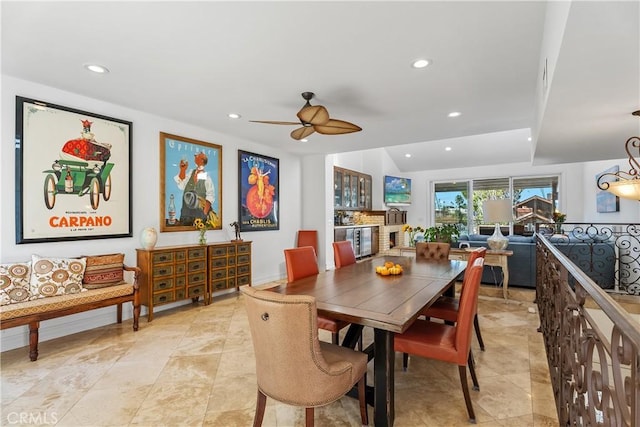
<point x="292" y="365"/>
<point x="301" y="263"/>
<point x="446" y="308"/>
<point x="445" y="342"/>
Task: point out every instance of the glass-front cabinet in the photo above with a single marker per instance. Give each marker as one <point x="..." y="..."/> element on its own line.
<point x="352" y="189"/>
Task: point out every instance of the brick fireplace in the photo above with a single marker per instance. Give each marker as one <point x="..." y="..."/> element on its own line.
<point x="386" y="243"/>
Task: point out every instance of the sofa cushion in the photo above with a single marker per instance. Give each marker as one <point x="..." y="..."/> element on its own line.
<point x="521" y="239"/>
<point x="14" y="282"/>
<point x="56" y="276"/>
<point x="103" y="271"/>
<point x="61" y="302"/>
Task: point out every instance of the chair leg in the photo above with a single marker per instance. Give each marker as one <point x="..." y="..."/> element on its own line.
<point x="260" y="406"/>
<point x="335" y="338"/>
<point x="405" y="361"/>
<point x="476" y="326"/>
<point x="472" y="370"/>
<point x="362" y="384"/>
<point x="465" y="390"/>
<point x="308" y="415"/>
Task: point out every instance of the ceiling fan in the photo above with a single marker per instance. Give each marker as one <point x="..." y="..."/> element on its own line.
<point x="315" y="118"/>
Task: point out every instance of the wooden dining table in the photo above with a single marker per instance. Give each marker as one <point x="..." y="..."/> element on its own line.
<point x="388" y="304"/>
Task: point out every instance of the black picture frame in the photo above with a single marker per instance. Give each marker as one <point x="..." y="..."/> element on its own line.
<point x="73" y="174"/>
<point x="258" y="201"/>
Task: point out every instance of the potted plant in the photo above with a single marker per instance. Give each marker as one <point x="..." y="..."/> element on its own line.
<point x="446" y="233"/>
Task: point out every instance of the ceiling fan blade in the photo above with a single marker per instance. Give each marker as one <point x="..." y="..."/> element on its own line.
<point x="314" y="114"/>
<point x="273" y="122"/>
<point x="336" y="127"/>
<point x="302" y="132"/>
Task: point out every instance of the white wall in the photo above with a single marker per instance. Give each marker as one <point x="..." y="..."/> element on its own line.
<point x="267" y="245"/>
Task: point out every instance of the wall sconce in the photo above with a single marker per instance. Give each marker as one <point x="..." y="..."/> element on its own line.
<point x="627" y="184"/>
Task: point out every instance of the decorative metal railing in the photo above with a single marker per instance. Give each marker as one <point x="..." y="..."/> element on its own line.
<point x="593" y="354"/>
<point x="608" y="253"/>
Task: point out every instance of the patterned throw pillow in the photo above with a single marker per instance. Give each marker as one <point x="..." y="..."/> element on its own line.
<point x="14" y="283"/>
<point x="103" y="271"/>
<point x="56" y="276"/>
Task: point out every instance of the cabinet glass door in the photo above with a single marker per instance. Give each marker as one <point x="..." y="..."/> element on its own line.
<point x="361" y="193"/>
<point x="337" y="188"/>
<point x="367" y="193"/>
<point x="346" y="197"/>
<point x="354" y="191"/>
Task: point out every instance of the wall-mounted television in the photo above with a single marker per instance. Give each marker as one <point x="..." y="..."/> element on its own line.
<point x="397" y="191"/>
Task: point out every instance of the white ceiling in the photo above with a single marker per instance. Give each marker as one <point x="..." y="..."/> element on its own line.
<point x="198" y="61"/>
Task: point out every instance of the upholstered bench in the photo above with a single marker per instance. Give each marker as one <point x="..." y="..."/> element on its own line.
<point x="47" y="288"/>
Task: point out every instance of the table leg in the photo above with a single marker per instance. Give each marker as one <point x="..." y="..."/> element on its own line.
<point x="383" y="373"/>
<point x="505" y="274"/>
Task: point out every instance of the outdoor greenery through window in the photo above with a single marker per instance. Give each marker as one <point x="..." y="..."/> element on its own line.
<point x="460" y="202"/>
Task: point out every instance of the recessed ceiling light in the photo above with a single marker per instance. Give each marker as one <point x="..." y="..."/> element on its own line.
<point x="234" y="116"/>
<point x="529" y="139"/>
<point x="447" y="148"/>
<point x="420" y="63"/>
<point x="407" y="155"/>
<point x="304" y="140"/>
<point x="96" y="68"/>
<point x="454" y="114"/>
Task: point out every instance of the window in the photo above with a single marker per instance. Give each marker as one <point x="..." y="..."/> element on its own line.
<point x="451" y="204"/>
<point x="534" y="201"/>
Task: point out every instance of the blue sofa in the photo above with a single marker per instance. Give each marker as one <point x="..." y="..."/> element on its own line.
<point x="522" y="264"/>
<point x="595" y="255"/>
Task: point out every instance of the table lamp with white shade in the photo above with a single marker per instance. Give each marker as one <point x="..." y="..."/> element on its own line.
<point x="497" y="210"/>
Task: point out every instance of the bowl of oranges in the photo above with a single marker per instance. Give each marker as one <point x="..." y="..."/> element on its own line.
<point x="389" y="269"/>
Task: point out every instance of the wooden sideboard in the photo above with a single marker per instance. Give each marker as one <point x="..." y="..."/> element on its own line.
<point x="175" y="273"/>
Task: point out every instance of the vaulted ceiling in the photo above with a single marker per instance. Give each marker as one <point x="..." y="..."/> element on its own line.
<point x="196" y="62"/>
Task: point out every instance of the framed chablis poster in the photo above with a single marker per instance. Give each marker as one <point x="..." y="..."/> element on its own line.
<point x="190" y="183"/>
<point x="73" y="174"/>
<point x="259" y="192"/>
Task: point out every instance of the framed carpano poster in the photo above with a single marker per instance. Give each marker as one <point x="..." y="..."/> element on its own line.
<point x="606" y="201"/>
<point x="73" y="174"/>
<point x="190" y="183"/>
<point x="258" y="184"/>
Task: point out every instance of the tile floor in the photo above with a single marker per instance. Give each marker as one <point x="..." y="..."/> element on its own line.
<point x="194" y="366"/>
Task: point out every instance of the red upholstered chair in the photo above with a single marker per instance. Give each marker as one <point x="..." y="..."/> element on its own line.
<point x="446" y="308"/>
<point x="308" y="238"/>
<point x="343" y="254"/>
<point x="302" y="262"/>
<point x="448" y="343"/>
<point x="433" y="250"/>
<point x="292" y="365"/>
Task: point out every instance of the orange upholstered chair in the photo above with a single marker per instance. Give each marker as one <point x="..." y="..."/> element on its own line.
<point x="308" y="238"/>
<point x="448" y="343"/>
<point x="302" y="262"/>
<point x="343" y="254"/>
<point x="292" y="365"/>
<point x="433" y="250"/>
<point x="446" y="308"/>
